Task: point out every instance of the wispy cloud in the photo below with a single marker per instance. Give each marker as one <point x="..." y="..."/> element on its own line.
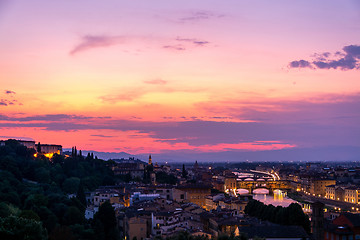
<point x="89" y="42"/>
<point x="347" y="59"/>
<point x="197" y="16"/>
<point x="50" y="118"/>
<point x="325" y="121"/>
<point x="152" y="86"/>
<point x="156" y="81"/>
<point x="194" y="41"/>
<point x="93" y="41"/>
<point x="177" y="47"/>
<point x="182" y="44"/>
<point x="102" y="136"/>
<point x="127" y="95"/>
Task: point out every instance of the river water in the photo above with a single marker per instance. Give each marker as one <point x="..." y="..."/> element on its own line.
<point x="278" y="199"/>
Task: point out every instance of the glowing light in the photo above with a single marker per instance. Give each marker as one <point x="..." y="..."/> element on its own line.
<point x="49" y="155"/>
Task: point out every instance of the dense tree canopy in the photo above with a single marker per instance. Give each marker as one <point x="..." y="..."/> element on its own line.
<point x="291" y="215"/>
<point x="34" y="193"/>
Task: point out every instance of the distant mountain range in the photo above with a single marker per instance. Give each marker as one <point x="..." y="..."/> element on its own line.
<point x="106" y="155"/>
<point x="329" y="153"/>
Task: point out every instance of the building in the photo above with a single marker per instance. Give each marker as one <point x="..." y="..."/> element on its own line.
<point x="90" y="212"/>
<point x="28" y="144"/>
<point x="330" y="192"/>
<point x="195" y="193"/>
<point x="340" y="193"/>
<point x="344" y="227"/>
<point x="46" y="149"/>
<point x="164" y="191"/>
<point x="138" y="197"/>
<point x="230" y="182"/>
<point x="116" y="196"/>
<point x="137" y="227"/>
<point x="50" y="149"/>
<point x="335" y="192"/>
<point x="318" y="186"/>
<point x="134" y="223"/>
<point x="130" y="166"/>
<point x="352" y="194"/>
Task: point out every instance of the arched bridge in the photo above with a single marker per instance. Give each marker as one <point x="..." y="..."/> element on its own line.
<point x="270" y="185"/>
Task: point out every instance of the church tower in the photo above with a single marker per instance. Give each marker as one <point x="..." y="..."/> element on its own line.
<point x="150" y="161"/>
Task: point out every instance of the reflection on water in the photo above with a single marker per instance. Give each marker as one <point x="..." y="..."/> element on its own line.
<point x="278" y="199"/>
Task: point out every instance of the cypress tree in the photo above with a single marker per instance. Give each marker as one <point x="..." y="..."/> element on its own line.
<point x="39" y="148"/>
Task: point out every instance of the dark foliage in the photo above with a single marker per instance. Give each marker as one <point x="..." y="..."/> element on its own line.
<point x="33" y="190"/>
<point x="291" y="215"/>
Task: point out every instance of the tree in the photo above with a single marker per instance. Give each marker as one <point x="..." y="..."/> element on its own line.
<point x="163" y="177"/>
<point x="291" y="215"/>
<point x="29" y="214"/>
<point x="81" y="195"/>
<point x="35" y="201"/>
<point x="184" y="172"/>
<point x="61" y="233"/>
<point x="106" y="216"/>
<point x="73" y="216"/>
<point x="71" y="185"/>
<point x="39" y="148"/>
<point x="21" y="228"/>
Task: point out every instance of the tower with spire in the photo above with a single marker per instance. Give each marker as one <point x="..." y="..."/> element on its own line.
<point x="150" y="161"/>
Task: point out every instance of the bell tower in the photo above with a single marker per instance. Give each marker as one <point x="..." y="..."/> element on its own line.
<point x="150" y="161"/>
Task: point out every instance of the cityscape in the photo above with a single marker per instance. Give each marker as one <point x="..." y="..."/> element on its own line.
<point x="67" y="195"/>
<point x="179" y="120"/>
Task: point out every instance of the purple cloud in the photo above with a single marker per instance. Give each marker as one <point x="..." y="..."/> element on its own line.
<point x="303" y="123"/>
<point x="300" y="64"/>
<point x="177" y="47"/>
<point x="348" y="59"/>
<point x="92" y="41"/>
<point x="185" y="44"/>
<point x="7" y="102"/>
<point x="9" y="92"/>
<point x="200" y="16"/>
<point x="50" y="118"/>
<point x="193" y="41"/>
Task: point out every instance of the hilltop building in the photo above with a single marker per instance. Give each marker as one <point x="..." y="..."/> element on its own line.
<point x="132" y="166"/>
<point x="47" y="149"/>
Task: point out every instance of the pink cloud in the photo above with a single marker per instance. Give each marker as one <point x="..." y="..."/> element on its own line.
<point x="156" y="81"/>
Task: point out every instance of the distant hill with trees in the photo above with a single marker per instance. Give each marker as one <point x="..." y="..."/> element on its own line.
<point x="34" y="202"/>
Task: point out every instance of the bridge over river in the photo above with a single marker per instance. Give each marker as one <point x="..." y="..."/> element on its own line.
<point x="253" y="180"/>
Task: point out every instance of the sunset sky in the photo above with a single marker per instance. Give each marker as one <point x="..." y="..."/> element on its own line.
<point x="183" y="78"/>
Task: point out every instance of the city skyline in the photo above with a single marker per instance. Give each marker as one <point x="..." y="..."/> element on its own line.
<point x="237" y="80"/>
